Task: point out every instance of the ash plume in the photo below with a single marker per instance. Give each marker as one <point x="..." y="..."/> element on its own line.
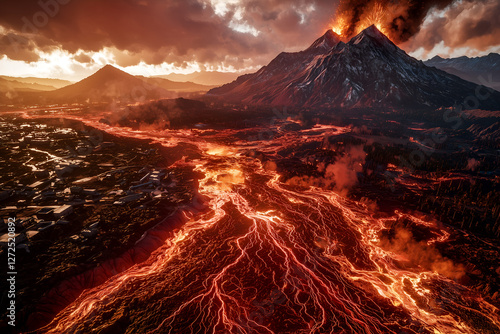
<point x="473" y="25"/>
<point x="157" y="115"/>
<point x="342" y="175"/>
<point x="400" y="19"/>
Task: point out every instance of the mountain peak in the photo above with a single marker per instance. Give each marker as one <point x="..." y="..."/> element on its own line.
<point x="437" y="57"/>
<point x="372" y="31"/>
<point x="108" y="84"/>
<point x="370" y="35"/>
<point x="368" y="71"/>
<point x="109" y="68"/>
<point x="327" y="41"/>
<point x="331" y="35"/>
<point x="109" y="72"/>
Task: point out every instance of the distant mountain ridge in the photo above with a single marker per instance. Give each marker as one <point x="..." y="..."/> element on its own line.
<point x="9" y="84"/>
<point x="106" y="85"/>
<point x="367" y="71"/>
<point x="207" y="78"/>
<point x="480" y="70"/>
<point x="32" y="83"/>
<point x="175" y="86"/>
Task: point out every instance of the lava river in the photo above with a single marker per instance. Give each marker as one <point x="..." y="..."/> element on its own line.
<point x="269" y="258"/>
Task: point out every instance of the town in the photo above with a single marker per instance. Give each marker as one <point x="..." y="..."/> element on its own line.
<point x="79" y="197"/>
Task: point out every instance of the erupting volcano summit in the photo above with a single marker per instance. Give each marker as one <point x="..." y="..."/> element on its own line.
<point x="367" y="71"/>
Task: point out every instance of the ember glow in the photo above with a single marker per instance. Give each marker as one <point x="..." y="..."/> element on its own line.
<point x="375" y="14"/>
<point x="340" y="26"/>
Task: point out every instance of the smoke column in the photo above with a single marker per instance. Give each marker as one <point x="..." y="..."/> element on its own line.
<point x="399" y="19"/>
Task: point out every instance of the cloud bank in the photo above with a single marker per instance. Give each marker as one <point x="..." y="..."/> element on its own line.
<point x="228" y="34"/>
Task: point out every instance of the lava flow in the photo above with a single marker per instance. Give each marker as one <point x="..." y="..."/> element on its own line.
<point x="270" y="258"/>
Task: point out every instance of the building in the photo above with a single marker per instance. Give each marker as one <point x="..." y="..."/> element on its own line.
<point x="32" y="235"/>
<point x="128" y="199"/>
<point x="63" y="211"/>
<point x="4" y="239"/>
<point x="157" y="176"/>
<point x="45" y="213"/>
<point x="45" y="225"/>
<point x="88" y="233"/>
<point x="91" y="192"/>
<point x="39" y="184"/>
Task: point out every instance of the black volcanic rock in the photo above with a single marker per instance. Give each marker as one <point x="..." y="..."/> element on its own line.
<point x="368" y="71"/>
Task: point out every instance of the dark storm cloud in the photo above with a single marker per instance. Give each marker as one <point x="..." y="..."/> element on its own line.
<point x="82" y="58"/>
<point x="181" y="31"/>
<point x="128" y="25"/>
<point x="406" y="26"/>
<point x="19" y="46"/>
<point x="473" y="24"/>
<point x="469" y="23"/>
<point x="174" y="31"/>
<point x="297" y="22"/>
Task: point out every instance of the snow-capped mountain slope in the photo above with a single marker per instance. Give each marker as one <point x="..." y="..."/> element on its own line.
<point x="367" y="71"/>
<point x="258" y="88"/>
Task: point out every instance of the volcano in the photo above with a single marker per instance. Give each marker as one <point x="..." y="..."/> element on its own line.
<point x="367" y="71"/>
<point x="108" y="84"/>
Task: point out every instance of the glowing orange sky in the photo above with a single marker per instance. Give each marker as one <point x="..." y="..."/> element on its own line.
<point x="71" y="39"/>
